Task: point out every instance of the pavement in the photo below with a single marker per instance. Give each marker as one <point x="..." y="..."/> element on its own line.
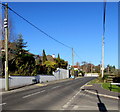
<point x="97" y="89"/>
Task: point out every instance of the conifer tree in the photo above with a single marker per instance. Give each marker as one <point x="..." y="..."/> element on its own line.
<point x="58" y="61"/>
<point x="44" y="56"/>
<point x="58" y="56"/>
<point x="20" y="44"/>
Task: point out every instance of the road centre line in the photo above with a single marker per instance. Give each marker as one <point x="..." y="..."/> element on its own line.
<point x="67" y="104"/>
<point x="55" y="87"/>
<point x="42" y="91"/>
<point x="33" y="94"/>
<point x="3" y="104"/>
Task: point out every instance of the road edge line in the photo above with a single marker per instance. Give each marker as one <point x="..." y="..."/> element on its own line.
<point x="108" y="96"/>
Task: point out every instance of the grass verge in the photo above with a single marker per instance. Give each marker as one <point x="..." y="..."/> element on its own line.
<point x="96" y="81"/>
<point x="113" y="88"/>
<point x="107" y="86"/>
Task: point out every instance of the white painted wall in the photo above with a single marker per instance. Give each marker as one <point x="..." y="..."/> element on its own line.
<point x="61" y="74"/>
<point x="2" y="83"/>
<point x="18" y="81"/>
<point x="45" y="78"/>
<point x="91" y="75"/>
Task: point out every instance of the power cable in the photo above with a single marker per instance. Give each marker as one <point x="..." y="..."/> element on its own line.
<point x="104" y="17"/>
<point x="77" y="55"/>
<point x="37" y="27"/>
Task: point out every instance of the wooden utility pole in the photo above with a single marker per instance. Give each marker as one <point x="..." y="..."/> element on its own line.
<point x="72" y="61"/>
<point x="102" y="57"/>
<point x="103" y="38"/>
<point x="6" y="48"/>
<point x="72" y="57"/>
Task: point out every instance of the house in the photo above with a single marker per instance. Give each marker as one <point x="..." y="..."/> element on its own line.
<point x="76" y="67"/>
<point x="50" y="58"/>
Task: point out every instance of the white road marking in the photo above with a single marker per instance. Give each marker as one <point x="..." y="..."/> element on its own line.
<point x="75" y="107"/>
<point x="33" y="94"/>
<point x="43" y="91"/>
<point x="67" y="104"/>
<point x="102" y="95"/>
<point x="55" y="87"/>
<point x="3" y="104"/>
<point x="74" y="96"/>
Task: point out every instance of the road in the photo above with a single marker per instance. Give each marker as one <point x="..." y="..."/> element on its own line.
<point x="65" y="95"/>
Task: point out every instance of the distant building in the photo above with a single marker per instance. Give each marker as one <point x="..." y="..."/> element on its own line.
<point x="76" y="67"/>
<point x="50" y="58"/>
<point x="53" y="55"/>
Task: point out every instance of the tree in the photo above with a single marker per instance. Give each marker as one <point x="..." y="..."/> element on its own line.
<point x="58" y="56"/>
<point x="61" y="63"/>
<point x="84" y="66"/>
<point x="44" y="57"/>
<point x="23" y="63"/>
<point x="97" y="69"/>
<point x="51" y="66"/>
<point x="84" y="62"/>
<point x="58" y="60"/>
<point x="20" y="45"/>
<point x="110" y="69"/>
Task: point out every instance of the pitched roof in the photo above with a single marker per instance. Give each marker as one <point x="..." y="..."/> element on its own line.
<point x="50" y="58"/>
<point x="76" y="66"/>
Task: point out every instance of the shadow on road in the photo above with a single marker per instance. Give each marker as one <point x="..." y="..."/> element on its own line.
<point x="101" y="106"/>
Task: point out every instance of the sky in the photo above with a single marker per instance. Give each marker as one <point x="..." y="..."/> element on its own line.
<point x="78" y="25"/>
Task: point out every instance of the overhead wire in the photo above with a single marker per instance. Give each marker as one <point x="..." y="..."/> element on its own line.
<point x="77" y="55"/>
<point x="37" y="28"/>
<point x="40" y="29"/>
<point x="104" y="17"/>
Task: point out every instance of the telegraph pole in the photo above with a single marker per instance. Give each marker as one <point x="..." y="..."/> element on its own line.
<point x="6" y="48"/>
<point x="72" y="57"/>
<point x="102" y="68"/>
<point x="103" y="38"/>
<point x="72" y="61"/>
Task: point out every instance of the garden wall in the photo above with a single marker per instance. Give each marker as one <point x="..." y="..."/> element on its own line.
<point x="19" y="81"/>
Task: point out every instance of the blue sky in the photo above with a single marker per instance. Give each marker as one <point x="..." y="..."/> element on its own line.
<point x="78" y="25"/>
